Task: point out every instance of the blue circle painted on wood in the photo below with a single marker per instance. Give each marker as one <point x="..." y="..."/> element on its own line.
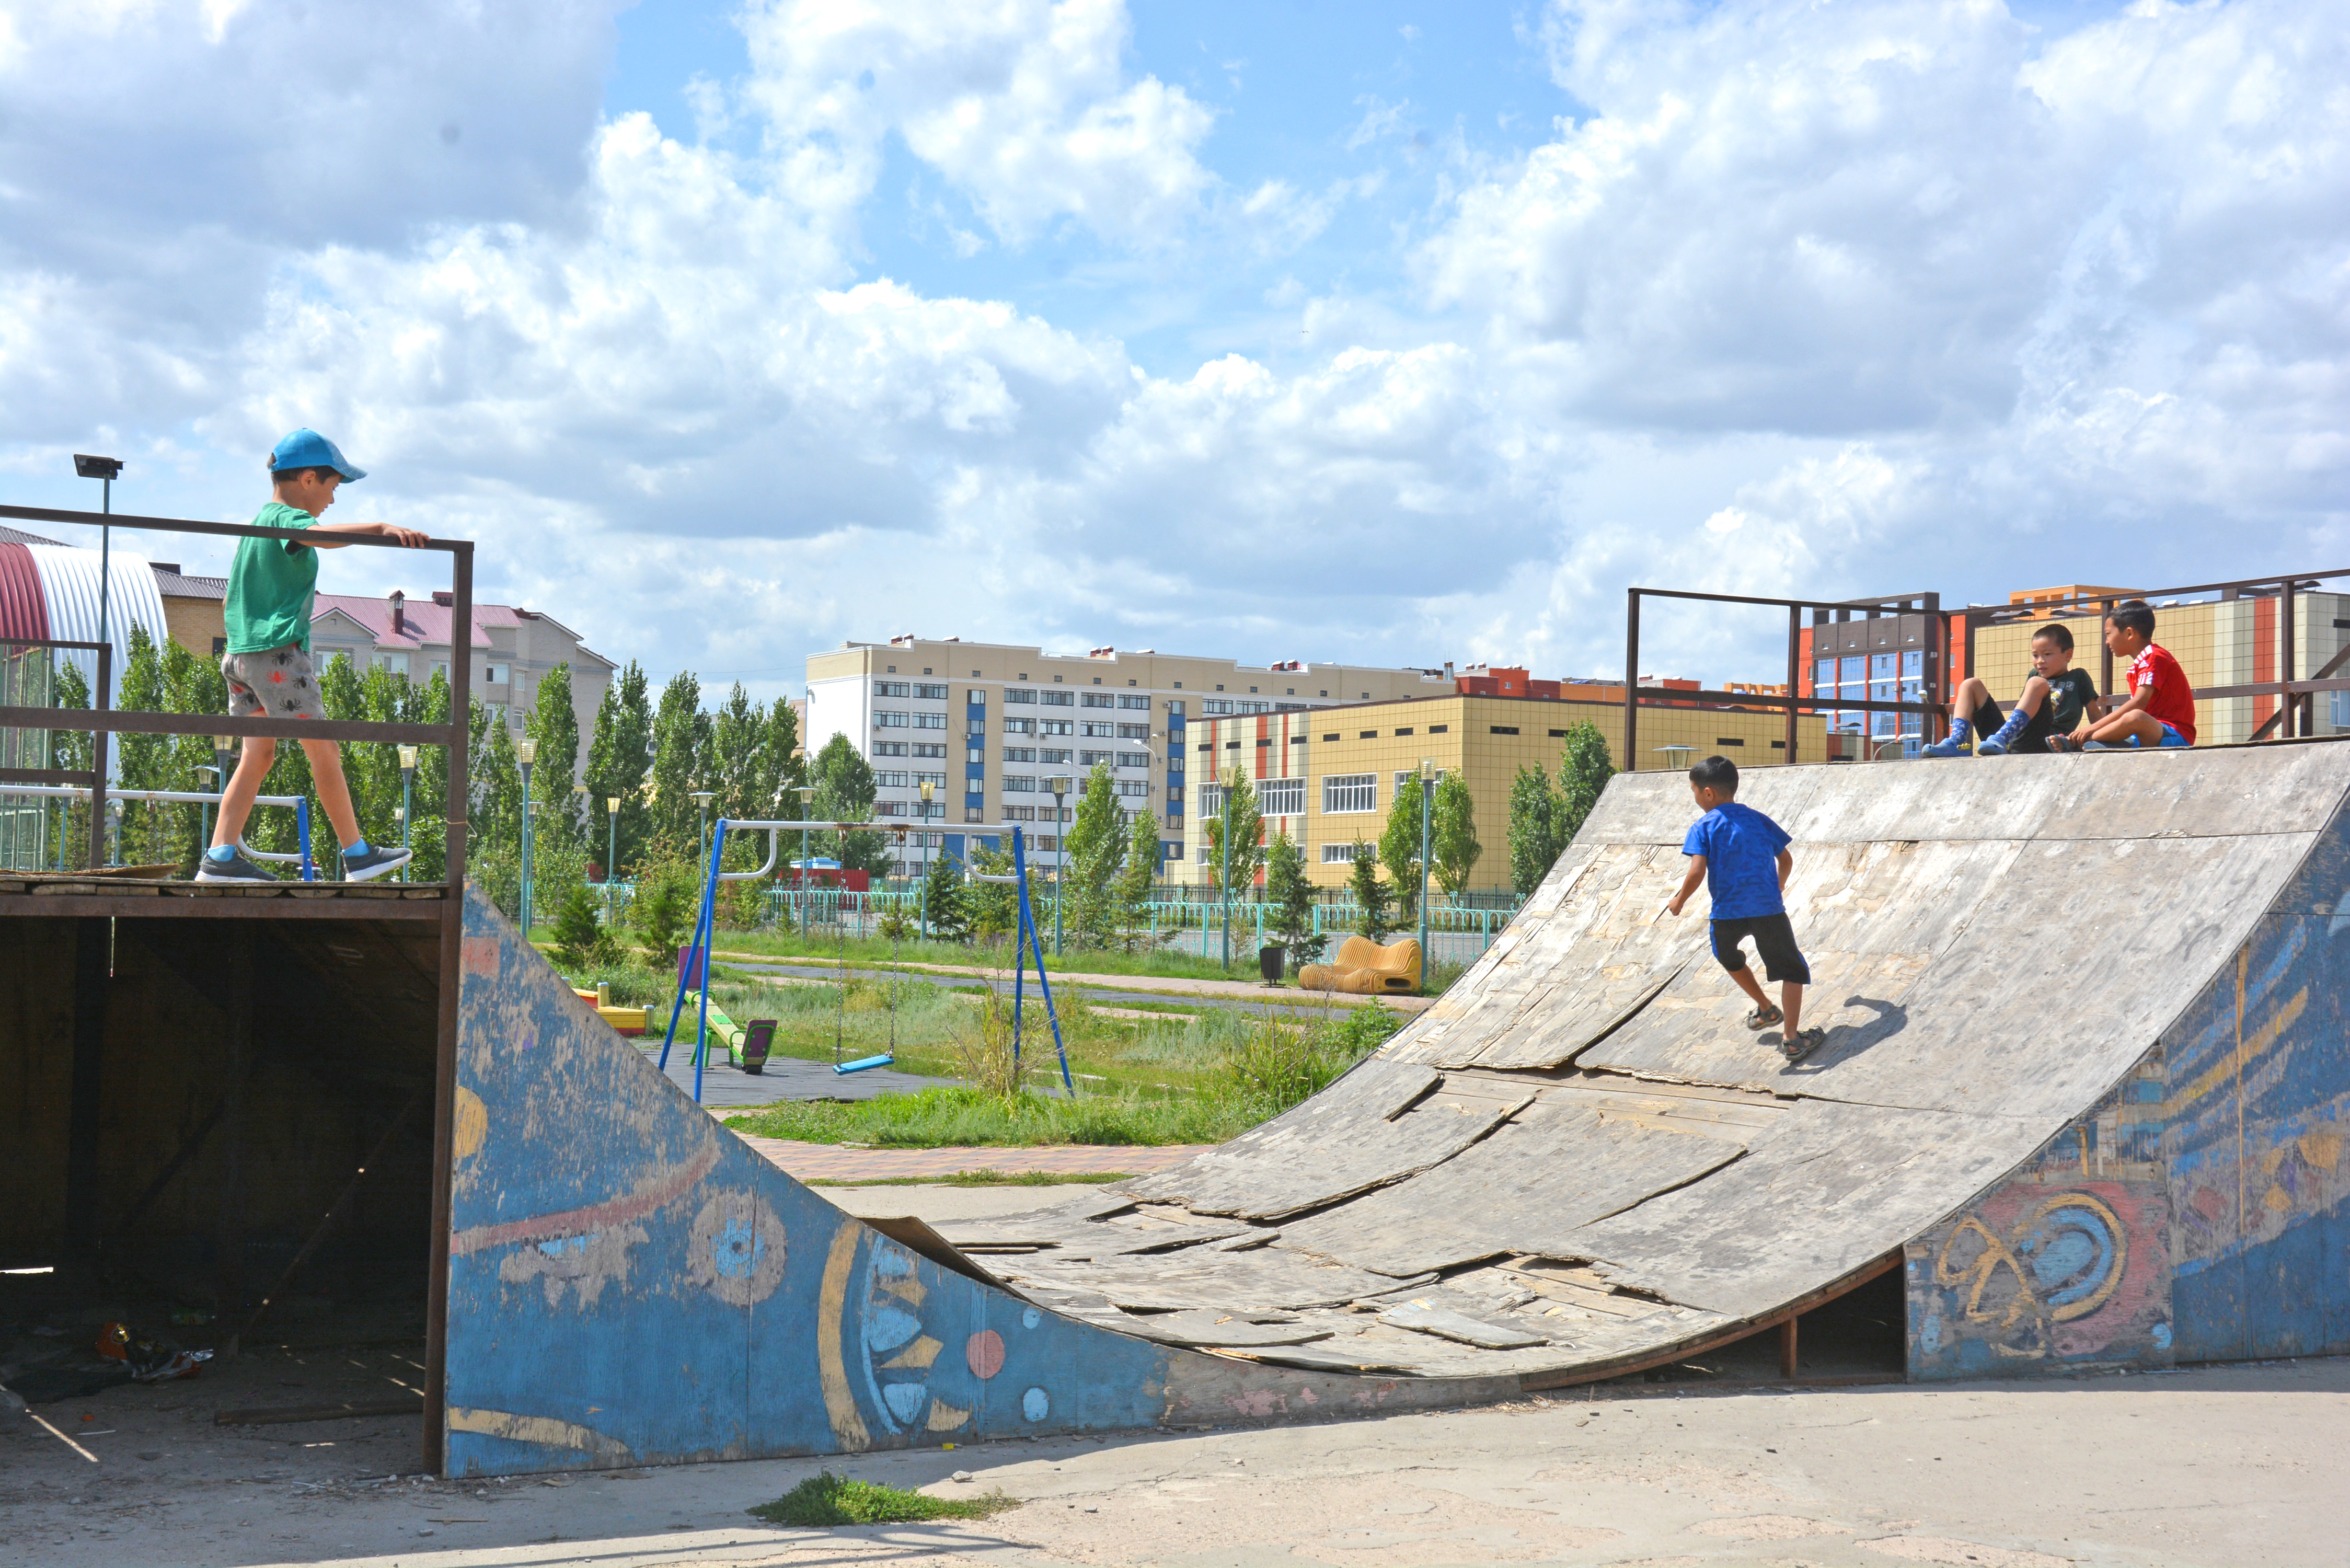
<point x="1034" y="1405"/>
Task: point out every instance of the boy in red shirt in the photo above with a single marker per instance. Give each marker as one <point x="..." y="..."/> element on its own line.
<point x="2161" y="707"/>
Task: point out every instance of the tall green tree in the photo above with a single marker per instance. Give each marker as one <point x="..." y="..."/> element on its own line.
<point x="553" y="723"/>
<point x="1096" y="849"/>
<point x="1399" y="850"/>
<point x="735" y="764"/>
<point x="680" y="753"/>
<point x="1454" y="850"/>
<point x="844" y="793"/>
<point x="1534" y="840"/>
<point x="780" y="771"/>
<point x="946" y="900"/>
<point x="70" y="750"/>
<point x="1374" y="899"/>
<point x="1585" y="766"/>
<point x="1240" y="808"/>
<point x="1291" y="893"/>
<point x="620" y="755"/>
<point x="1138" y="877"/>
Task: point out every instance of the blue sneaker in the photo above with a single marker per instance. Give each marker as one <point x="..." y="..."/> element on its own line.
<point x="235" y="869"/>
<point x="373" y="862"/>
<point x="2098" y="746"/>
<point x="1953" y="747"/>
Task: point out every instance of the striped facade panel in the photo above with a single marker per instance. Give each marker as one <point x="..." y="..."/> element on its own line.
<point x="24" y="607"/>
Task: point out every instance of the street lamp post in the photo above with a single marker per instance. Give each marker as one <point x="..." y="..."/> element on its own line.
<point x="611" y="849"/>
<point x="106" y="470"/>
<point x="701" y="799"/>
<point x="526" y="753"/>
<point x="1225" y="869"/>
<point x="407" y="797"/>
<point x="807" y="794"/>
<point x="203" y="811"/>
<point x="1059" y="784"/>
<point x="1427" y="803"/>
<point x="929" y="790"/>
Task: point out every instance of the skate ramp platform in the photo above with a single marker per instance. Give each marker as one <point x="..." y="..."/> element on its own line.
<point x="2083" y="1088"/>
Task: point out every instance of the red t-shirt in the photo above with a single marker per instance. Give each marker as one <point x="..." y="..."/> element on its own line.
<point x="2173" y="702"/>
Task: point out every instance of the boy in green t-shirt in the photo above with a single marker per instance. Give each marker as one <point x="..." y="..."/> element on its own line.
<point x="2054" y="698"/>
<point x="270" y="587"/>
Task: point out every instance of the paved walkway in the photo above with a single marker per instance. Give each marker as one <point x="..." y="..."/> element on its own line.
<point x="836" y="1162"/>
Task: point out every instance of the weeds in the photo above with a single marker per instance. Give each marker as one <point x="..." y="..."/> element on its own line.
<point x="825" y="1499"/>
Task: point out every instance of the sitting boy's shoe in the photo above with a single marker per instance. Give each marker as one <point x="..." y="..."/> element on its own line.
<point x="1795" y="1047"/>
<point x="1953" y="747"/>
<point x="373" y="861"/>
<point x="235" y="869"/>
<point x="2062" y="743"/>
<point x="2097" y="746"/>
<point x="1996" y="745"/>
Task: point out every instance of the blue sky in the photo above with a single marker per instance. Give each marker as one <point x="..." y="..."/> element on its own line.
<point x="1292" y="329"/>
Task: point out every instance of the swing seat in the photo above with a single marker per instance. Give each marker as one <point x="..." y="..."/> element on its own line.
<point x="862" y="1062"/>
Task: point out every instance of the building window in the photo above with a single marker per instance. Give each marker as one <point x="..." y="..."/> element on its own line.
<point x="1019" y="783"/>
<point x="1406" y="780"/>
<point x="929" y="721"/>
<point x="1212" y="799"/>
<point x="1057" y="699"/>
<point x="1096" y="728"/>
<point x="496" y="674"/>
<point x="1555" y="735"/>
<point x="1019" y="814"/>
<point x="974" y="814"/>
<point x="1134" y="732"/>
<point x="892" y="781"/>
<point x="1350" y="792"/>
<point x="1054" y="754"/>
<point x="1234" y="705"/>
<point x="889" y="748"/>
<point x="976" y="696"/>
<point x="1019" y="753"/>
<point x="1056" y="727"/>
<point x="1729" y="741"/>
<point x="1019" y="695"/>
<point x="927" y="749"/>
<point x="1447" y="729"/>
<point x="1405" y="731"/>
<point x="220" y="646"/>
<point x="930" y="693"/>
<point x="1131" y="788"/>
<point x="1097" y="699"/>
<point x="1364" y="735"/>
<point x="1280" y="797"/>
<point x="1502" y="729"/>
<point x="1136" y="760"/>
<point x="889" y="718"/>
<point x="1019" y="726"/>
<point x="892" y="689"/>
<point x="1337" y="855"/>
<point x="1135" y="701"/>
<point x="1326" y="737"/>
<point x="1093" y="759"/>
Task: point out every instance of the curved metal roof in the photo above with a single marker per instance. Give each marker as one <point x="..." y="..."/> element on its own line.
<point x="69" y="585"/>
<point x="24" y="607"/>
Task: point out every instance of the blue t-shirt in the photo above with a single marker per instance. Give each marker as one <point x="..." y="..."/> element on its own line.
<point x="1741" y="847"/>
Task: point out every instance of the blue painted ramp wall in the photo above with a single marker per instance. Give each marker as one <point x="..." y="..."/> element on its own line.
<point x="630" y="1284"/>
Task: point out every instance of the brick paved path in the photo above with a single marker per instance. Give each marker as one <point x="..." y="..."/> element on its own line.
<point x="831" y="1162"/>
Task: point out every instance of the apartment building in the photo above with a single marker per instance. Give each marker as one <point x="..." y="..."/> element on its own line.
<point x="992" y="726"/>
<point x="513" y="647"/>
<point x="1329" y="778"/>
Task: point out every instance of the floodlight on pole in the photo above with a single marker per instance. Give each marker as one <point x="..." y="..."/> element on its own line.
<point x="106" y="471"/>
<point x="929" y="790"/>
<point x="611" y="849"/>
<point x="407" y="798"/>
<point x="526" y="753"/>
<point x="1059" y="784"/>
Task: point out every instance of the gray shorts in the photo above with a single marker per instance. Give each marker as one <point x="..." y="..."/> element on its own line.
<point x="281" y="683"/>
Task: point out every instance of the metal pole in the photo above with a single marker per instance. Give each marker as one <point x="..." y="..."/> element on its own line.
<point x="524" y="899"/>
<point x="1427" y="803"/>
<point x="104" y="554"/>
<point x="2291" y="726"/>
<point x="1224" y="870"/>
<point x="611" y="852"/>
<point x="407" y="810"/>
<point x="1795" y="668"/>
<point x="1060" y="864"/>
<point x="1631" y="682"/>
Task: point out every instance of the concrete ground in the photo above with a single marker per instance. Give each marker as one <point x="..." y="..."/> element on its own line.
<point x="2217" y="1467"/>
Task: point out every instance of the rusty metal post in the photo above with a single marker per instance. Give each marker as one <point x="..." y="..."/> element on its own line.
<point x="2291" y="704"/>
<point x="445" y="1071"/>
<point x="1632" y="681"/>
<point x="1794" y="670"/>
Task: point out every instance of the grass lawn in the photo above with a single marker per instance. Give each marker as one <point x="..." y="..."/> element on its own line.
<point x="829" y="1499"/>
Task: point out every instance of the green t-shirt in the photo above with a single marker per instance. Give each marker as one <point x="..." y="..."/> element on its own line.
<point x="2069" y="696"/>
<point x="271" y="586"/>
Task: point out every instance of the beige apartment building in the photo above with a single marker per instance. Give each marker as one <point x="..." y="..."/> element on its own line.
<point x="990" y="726"/>
<point x="1329" y="778"/>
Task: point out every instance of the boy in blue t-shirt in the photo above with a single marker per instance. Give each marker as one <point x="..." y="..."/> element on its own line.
<point x="1741" y="856"/>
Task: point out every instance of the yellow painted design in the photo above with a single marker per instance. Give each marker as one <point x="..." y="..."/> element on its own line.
<point x="2322" y="1150"/>
<point x="907" y="1287"/>
<point x="945" y="1418"/>
<point x="2230" y="1067"/>
<point x="2270" y="1160"/>
<point x="920" y="1354"/>
<point x="470" y="1126"/>
<point x="1996" y="1255"/>
<point x="543" y="1430"/>
<point x="832" y="1371"/>
<point x="2278" y="1200"/>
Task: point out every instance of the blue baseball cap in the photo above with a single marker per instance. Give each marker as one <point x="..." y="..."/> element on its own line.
<point x="308" y="449"/>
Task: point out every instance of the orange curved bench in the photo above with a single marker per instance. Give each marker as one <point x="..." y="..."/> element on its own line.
<point x="1363" y="968"/>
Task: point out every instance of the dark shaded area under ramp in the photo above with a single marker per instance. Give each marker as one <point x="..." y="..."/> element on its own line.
<point x="1580" y="1143"/>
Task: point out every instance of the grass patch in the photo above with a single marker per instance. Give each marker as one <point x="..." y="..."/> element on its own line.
<point x="1242" y="1070"/>
<point x="825" y="1499"/>
<point x="982" y="1178"/>
<point x="880" y="950"/>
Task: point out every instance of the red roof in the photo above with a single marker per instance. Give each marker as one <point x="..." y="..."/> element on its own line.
<point x="24" y="608"/>
<point x="422" y="621"/>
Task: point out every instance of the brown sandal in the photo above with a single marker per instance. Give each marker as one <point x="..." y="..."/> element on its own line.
<point x="1764" y="1017"/>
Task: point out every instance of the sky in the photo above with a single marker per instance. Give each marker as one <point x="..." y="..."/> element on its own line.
<point x="1355" y="331"/>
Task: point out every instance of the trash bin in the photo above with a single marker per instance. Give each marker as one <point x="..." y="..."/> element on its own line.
<point x="1271" y="960"/>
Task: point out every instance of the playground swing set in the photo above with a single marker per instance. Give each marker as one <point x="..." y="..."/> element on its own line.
<point x="749" y="1045"/>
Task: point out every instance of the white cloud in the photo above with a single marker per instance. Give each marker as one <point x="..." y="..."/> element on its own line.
<point x="1867" y="298"/>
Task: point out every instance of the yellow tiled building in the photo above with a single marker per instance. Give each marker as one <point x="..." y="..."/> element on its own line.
<point x="1329" y="777"/>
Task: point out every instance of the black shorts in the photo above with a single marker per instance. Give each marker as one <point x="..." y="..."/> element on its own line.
<point x="2035" y="738"/>
<point x="1774" y="942"/>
